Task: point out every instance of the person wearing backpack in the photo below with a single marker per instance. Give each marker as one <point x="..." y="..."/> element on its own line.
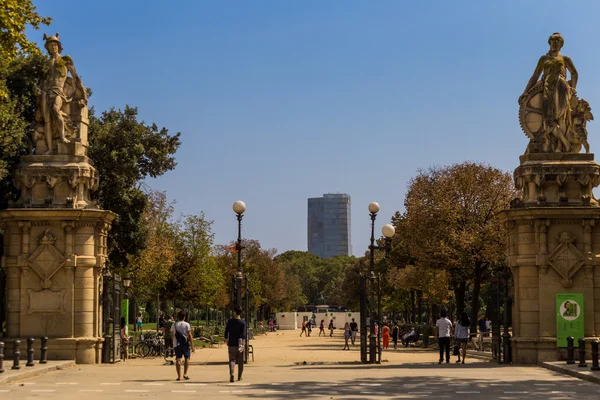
<point x="235" y="333"/>
<point x="183" y="342"/>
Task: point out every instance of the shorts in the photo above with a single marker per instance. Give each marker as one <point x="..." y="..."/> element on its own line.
<point x="139" y="324"/>
<point x="182" y="351"/>
<point x="462" y="340"/>
<point x="353" y="334"/>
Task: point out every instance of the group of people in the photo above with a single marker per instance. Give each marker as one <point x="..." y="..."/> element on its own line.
<point x="350" y="330"/>
<point x="183" y="344"/>
<point x="460" y="331"/>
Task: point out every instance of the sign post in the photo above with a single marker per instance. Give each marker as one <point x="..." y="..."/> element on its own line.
<point x="569" y="317"/>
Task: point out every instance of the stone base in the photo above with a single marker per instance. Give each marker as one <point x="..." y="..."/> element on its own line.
<point x="534" y="350"/>
<point x="557" y="179"/>
<point x="541" y="350"/>
<point x="82" y="350"/>
<point x="53" y="261"/>
<point x="55" y="181"/>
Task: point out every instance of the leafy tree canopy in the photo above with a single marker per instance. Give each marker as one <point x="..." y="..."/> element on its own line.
<point x="125" y="151"/>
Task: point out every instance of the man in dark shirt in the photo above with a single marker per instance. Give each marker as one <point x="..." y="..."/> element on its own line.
<point x="235" y="333"/>
<point x="353" y="330"/>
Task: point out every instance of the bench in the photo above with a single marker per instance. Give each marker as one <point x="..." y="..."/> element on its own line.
<point x="210" y="340"/>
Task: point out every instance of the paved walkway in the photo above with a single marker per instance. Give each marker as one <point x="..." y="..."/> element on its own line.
<point x="279" y="373"/>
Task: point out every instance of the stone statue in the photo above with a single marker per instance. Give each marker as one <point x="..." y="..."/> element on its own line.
<point x="581" y="114"/>
<point x="59" y="97"/>
<point x="546" y="106"/>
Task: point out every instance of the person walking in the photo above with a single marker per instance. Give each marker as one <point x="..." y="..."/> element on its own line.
<point x="443" y="327"/>
<point x="461" y="334"/>
<point x="322" y="328"/>
<point x="346" y="336"/>
<point x="235" y="333"/>
<point x="353" y="330"/>
<point x="385" y="334"/>
<point x="309" y="327"/>
<point x="303" y="329"/>
<point x="330" y="327"/>
<point x="271" y="325"/>
<point x="124" y="339"/>
<point x="395" y="334"/>
<point x="482" y="326"/>
<point x="139" y="321"/>
<point x="183" y="342"/>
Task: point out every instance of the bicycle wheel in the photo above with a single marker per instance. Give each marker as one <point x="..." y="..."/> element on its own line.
<point x="138" y="349"/>
<point x="146" y="350"/>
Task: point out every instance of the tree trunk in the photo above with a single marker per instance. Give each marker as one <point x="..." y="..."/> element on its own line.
<point x="459" y="293"/>
<point x="475" y="299"/>
<point x="413" y="307"/>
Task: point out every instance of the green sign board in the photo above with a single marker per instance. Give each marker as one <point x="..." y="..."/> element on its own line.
<point x="569" y="317"/>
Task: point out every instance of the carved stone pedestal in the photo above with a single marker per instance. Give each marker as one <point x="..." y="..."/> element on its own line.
<point x="55" y="181"/>
<point x="53" y="260"/>
<point x="553" y="244"/>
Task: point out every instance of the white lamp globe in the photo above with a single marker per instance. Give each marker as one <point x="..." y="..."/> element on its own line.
<point x="374" y="207"/>
<point x="239" y="207"/>
<point x="388" y="230"/>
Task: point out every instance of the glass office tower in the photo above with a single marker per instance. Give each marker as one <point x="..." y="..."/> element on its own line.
<point x="329" y="225"/>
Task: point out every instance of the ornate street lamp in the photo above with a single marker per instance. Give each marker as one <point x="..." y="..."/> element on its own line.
<point x="239" y="207"/>
<point x="388" y="232"/>
<point x="126" y="285"/>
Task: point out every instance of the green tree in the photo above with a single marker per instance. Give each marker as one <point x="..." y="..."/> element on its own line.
<point x="126" y="151"/>
<point x="17" y="109"/>
<point x="450" y="223"/>
<point x="15" y="18"/>
<point x="152" y="268"/>
<point x="17" y="56"/>
<point x="196" y="277"/>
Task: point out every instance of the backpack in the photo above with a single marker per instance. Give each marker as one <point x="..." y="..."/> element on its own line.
<point x="181" y="338"/>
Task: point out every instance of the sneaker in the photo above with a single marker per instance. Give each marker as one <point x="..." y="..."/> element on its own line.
<point x="230" y="378"/>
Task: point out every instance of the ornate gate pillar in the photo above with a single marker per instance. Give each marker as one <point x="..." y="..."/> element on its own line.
<point x="55" y="234"/>
<point x="553" y="235"/>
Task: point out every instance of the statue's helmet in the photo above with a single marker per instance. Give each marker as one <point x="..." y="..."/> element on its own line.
<point x="55" y="39"/>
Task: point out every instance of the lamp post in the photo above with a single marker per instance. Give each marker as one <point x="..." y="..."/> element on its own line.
<point x="388" y="231"/>
<point x="125" y="300"/>
<point x="239" y="207"/>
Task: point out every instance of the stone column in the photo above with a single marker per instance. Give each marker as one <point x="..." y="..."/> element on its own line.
<point x="84" y="280"/>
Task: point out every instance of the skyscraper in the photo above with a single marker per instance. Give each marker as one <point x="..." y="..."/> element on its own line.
<point x="329" y="225"/>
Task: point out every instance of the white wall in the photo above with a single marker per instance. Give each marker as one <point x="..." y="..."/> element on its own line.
<point x="287" y="320"/>
<point x="339" y="319"/>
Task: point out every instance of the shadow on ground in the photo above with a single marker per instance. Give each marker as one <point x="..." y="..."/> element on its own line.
<point x="426" y="386"/>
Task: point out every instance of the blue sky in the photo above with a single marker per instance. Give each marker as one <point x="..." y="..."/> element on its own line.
<point x="280" y="101"/>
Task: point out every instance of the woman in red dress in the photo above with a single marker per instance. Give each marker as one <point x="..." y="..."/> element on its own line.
<point x="386" y="336"/>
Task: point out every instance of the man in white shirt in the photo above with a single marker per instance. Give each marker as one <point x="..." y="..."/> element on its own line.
<point x="442" y="333"/>
<point x="183" y="342"/>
